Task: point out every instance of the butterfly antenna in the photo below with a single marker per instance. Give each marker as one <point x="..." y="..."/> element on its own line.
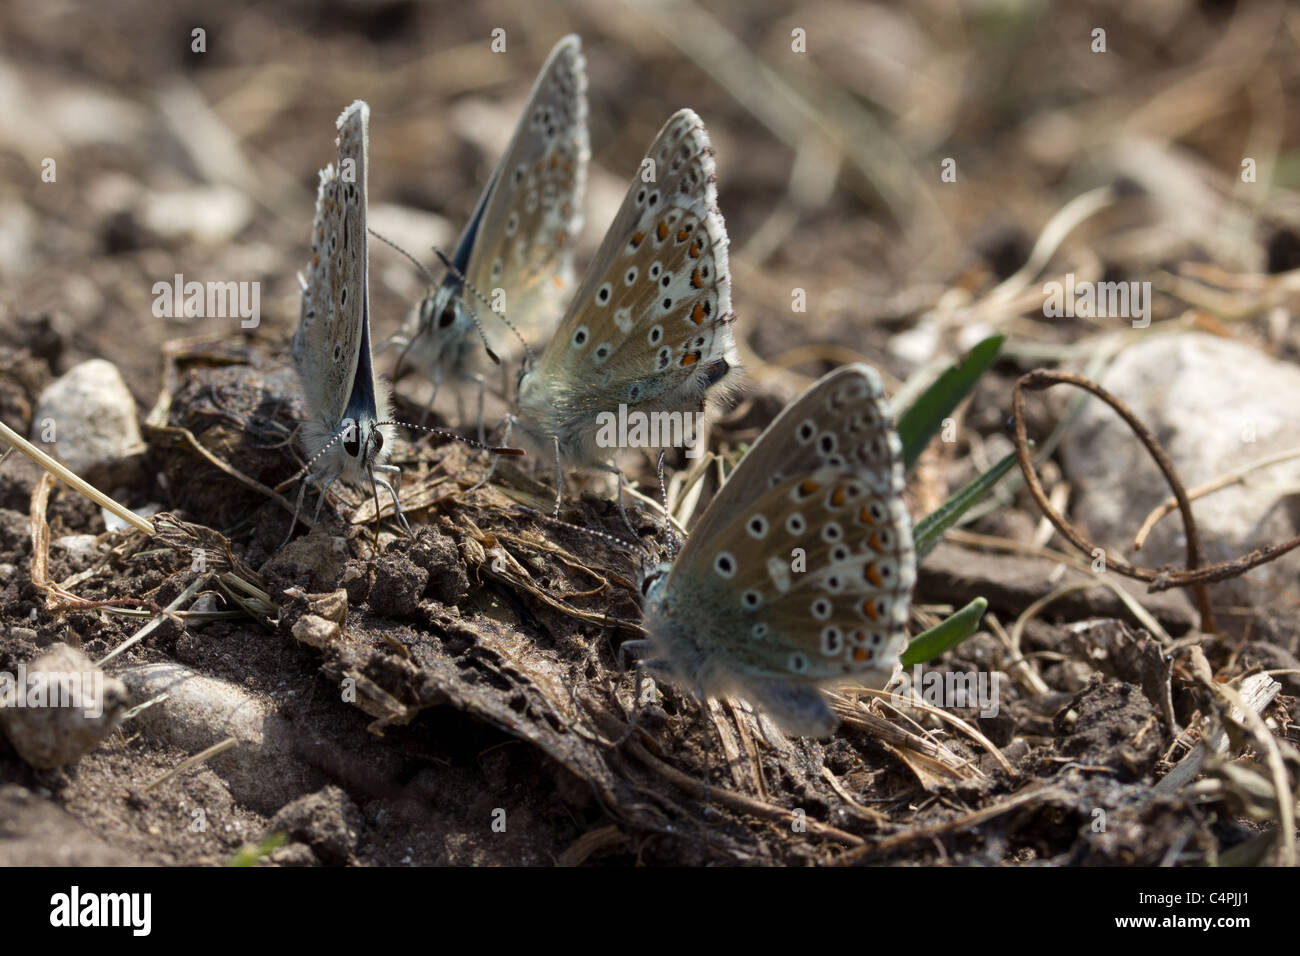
<point x="306" y="469"/>
<point x="668" y="524"/>
<point x="451" y="267"/>
<point x="425" y="270"/>
<point x="428" y="273"/>
<point x="481" y="446"/>
<point x="591" y="532"/>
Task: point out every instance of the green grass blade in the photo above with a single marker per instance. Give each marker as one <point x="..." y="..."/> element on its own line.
<point x="949" y="633"/>
<point x="929" y="530"/>
<point x="924" y="418"/>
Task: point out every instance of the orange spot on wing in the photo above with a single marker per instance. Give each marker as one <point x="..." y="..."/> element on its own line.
<point x="689" y="359"/>
<point x="869" y="609"/>
<point x="861" y="654"/>
<point x="696" y="280"/>
<point x="697" y="314"/>
<point x="808" y="487"/>
<point x="662" y="231"/>
<point x="694" y="251"/>
<point x="873" y="574"/>
<point x="839" y="496"/>
<point x="559" y="283"/>
<point x="864" y="516"/>
<point x="683" y="235"/>
<point x="638" y="239"/>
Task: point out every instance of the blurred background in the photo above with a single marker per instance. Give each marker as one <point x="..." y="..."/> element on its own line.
<point x="829" y="150"/>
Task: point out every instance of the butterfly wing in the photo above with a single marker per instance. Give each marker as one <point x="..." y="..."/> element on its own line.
<point x="331" y="326"/>
<point x="533" y="212"/>
<point x="800" y="572"/>
<point x="650" y="323"/>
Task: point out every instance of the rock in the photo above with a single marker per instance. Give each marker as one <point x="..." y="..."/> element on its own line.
<point x="315" y="631"/>
<point x="263" y="770"/>
<point x="88" y="418"/>
<point x="328" y="821"/>
<point x="36" y="832"/>
<point x="59" y="707"/>
<point x="294" y="854"/>
<point x="1214" y="405"/>
<point x="82" y="549"/>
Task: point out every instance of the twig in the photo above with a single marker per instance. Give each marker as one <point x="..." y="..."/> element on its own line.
<point x="194" y="761"/>
<point x="1041" y="379"/>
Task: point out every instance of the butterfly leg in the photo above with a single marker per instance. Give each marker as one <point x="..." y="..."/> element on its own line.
<point x="641" y="669"/>
<point x="611" y="467"/>
<point x="505" y="440"/>
<point x="428" y="407"/>
<point x="559" y="478"/>
<point x="397" y="507"/>
<point x="324" y="489"/>
<point x="297" y="510"/>
<point x="482" y="392"/>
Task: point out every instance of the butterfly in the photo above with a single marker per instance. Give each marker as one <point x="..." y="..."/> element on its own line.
<point x="799" y="574"/>
<point x="347" y="434"/>
<point x="517" y="248"/>
<point x="649" y="327"/>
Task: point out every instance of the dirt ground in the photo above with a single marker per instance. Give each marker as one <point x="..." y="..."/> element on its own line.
<point x="458" y="697"/>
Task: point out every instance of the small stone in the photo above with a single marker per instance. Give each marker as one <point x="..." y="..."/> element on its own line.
<point x="294" y="854"/>
<point x="327" y="820"/>
<point x="264" y="770"/>
<point x="59" y="707"/>
<point x="82" y="549"/>
<point x="316" y="631"/>
<point x="87" y="418"/>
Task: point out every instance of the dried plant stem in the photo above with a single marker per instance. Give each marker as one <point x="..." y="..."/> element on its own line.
<point x="79" y="484"/>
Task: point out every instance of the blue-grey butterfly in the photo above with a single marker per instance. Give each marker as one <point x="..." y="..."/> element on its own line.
<point x="650" y="325"/>
<point x="517" y="249"/>
<point x="348" y="433"/>
<point x="799" y="574"/>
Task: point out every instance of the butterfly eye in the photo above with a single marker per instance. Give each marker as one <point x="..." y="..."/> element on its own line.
<point x="377" y="437"/>
<point x="351" y="443"/>
<point x="447" y="318"/>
